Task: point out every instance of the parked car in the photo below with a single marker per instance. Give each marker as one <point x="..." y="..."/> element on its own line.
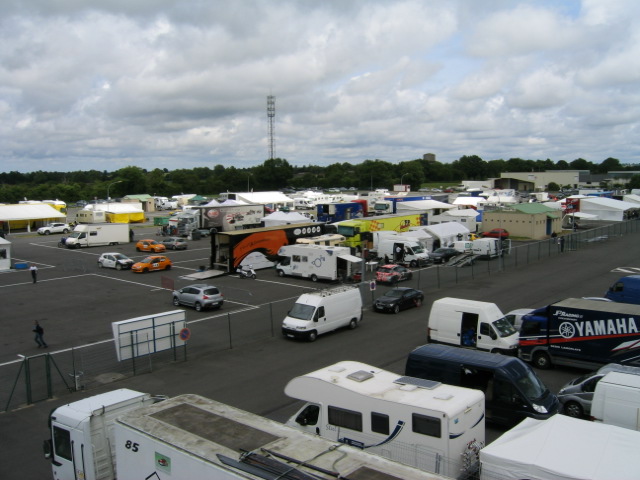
<point x="151" y="264"/>
<point x="148" y="245"/>
<point x="392" y="273"/>
<point x="114" y="260"/>
<point x="397" y="299"/>
<point x="175" y="243"/>
<point x="576" y="396"/>
<point x="198" y="296"/>
<point x="496" y="233"/>
<point x="54" y="228"/>
<point x="443" y="254"/>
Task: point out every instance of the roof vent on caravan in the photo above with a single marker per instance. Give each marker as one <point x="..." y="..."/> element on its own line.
<point x="360" y="376"/>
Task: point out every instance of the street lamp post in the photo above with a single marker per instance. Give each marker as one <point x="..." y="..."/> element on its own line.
<point x="401" y="182"/>
<point x="108" y="197"/>
<point x="248" y="177"/>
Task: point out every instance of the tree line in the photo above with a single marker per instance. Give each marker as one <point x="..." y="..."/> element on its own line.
<point x="273" y="174"/>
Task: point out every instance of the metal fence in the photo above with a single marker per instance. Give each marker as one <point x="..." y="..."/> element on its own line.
<point x="50" y="374"/>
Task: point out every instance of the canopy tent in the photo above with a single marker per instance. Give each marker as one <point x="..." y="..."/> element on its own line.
<point x="463" y="200"/>
<point x="607" y="208"/>
<point x="283" y="218"/>
<point x="562" y="448"/>
<point x="213" y="203"/>
<point x="442" y="234"/>
<point x="423" y="205"/>
<point x="631" y="198"/>
<point x="273" y="199"/>
<point x="28" y="215"/>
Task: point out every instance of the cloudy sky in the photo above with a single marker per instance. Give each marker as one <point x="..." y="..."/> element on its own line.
<point x="104" y="84"/>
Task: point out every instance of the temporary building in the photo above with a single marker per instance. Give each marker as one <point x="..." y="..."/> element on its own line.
<point x="273" y="200"/>
<point x="562" y="448"/>
<point x="119" y="212"/>
<point x="434" y="207"/>
<point x="28" y="215"/>
<point x="631" y="198"/>
<point x="283" y="218"/>
<point x="466" y="216"/>
<point x="607" y="209"/>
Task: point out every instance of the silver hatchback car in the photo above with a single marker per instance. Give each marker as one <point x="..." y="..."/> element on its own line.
<point x="198" y="296"/>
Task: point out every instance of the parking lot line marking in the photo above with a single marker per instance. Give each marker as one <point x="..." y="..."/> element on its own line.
<point x="41" y="280"/>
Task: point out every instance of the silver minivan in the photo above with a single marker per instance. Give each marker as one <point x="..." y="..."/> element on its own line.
<point x="577" y="395"/>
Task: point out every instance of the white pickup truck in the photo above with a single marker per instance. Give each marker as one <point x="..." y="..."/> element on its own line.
<point x="54" y="228"/>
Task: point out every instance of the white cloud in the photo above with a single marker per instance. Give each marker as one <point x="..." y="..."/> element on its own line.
<point x="167" y="83"/>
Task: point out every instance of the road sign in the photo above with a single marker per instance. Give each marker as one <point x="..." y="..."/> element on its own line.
<point x="372" y="285"/>
<point x="185" y="334"/>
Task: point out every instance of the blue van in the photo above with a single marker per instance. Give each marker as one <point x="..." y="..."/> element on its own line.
<point x="625" y="290"/>
<point x="512" y="390"/>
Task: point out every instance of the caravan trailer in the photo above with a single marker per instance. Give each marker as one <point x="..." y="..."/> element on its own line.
<point x="435" y="427"/>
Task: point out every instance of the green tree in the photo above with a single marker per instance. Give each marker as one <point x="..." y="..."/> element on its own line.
<point x="273" y="174"/>
<point x="580" y="164"/>
<point x="634" y="182"/>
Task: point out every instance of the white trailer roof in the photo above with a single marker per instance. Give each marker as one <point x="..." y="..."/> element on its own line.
<point x="423" y="205"/>
<point x="373" y="382"/>
<point x="562" y="448"/>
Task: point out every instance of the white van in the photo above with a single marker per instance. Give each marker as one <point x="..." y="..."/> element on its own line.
<point x="301" y="203"/>
<point x="616" y="400"/>
<point x="471" y="324"/>
<point x="324" y="311"/>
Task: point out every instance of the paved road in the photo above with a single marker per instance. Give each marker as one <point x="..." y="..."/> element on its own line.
<point x="252" y="377"/>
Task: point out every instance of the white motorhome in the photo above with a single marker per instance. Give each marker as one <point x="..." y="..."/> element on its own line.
<point x="435" y="427"/>
<point x="317" y="262"/>
<point x="96" y="235"/>
<point x="163" y="203"/>
<point x="304" y="203"/>
<point x="471" y="324"/>
<point x="324" y="311"/>
<point x="616" y="400"/>
<point x="123" y="434"/>
<point x="395" y="248"/>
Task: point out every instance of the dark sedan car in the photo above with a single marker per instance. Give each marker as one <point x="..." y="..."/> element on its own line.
<point x="397" y="299"/>
<point x="443" y="254"/>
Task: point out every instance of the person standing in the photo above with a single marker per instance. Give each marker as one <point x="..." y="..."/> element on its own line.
<point x="34" y="272"/>
<point x="39" y="331"/>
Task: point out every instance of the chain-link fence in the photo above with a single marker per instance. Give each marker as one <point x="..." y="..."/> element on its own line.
<point x="47" y="375"/>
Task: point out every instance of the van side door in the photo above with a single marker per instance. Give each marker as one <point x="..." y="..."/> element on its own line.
<point x="320" y="320"/>
<point x="468" y="333"/>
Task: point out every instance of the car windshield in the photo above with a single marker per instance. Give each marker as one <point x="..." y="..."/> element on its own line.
<point x="504" y="327"/>
<point x="149" y="260"/>
<point x="301" y="311"/>
<point x="120" y="256"/>
<point x="394" y="293"/>
<point x="417" y="249"/>
<point x="75" y="234"/>
<point x="528" y="383"/>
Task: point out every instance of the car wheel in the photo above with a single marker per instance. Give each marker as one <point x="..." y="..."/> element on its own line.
<point x="314" y="278"/>
<point x="396" y="309"/>
<point x="138" y="249"/>
<point x="418" y="302"/>
<point x="145" y="270"/>
<point x="168" y="267"/>
<point x="77" y="246"/>
<point x="573" y="409"/>
<point x="353" y="324"/>
<point x="173" y="247"/>
<point x="198" y="307"/>
<point x="118" y="266"/>
<point x="65" y="231"/>
<point x="100" y="265"/>
<point x="542" y="361"/>
<point x="413" y="264"/>
<point x="47" y="232"/>
<point x="313" y="335"/>
<point x="280" y="273"/>
<point x="176" y="302"/>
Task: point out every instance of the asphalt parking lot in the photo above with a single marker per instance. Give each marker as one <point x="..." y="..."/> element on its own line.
<point x="76" y="303"/>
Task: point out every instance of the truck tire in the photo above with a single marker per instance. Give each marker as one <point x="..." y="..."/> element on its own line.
<point x="77" y="246"/>
<point x="573" y="409"/>
<point x="542" y="360"/>
<point x="314" y="278"/>
<point x="313" y="335"/>
<point x="413" y="264"/>
<point x="280" y="273"/>
<point x="353" y="324"/>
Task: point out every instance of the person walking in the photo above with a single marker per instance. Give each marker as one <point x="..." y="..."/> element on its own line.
<point x="34" y="272"/>
<point x="39" y="331"/>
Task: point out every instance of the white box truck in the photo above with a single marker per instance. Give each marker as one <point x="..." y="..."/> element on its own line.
<point x="616" y="400"/>
<point x="324" y="311"/>
<point x="92" y="235"/>
<point x="317" y="262"/>
<point x="384" y="413"/>
<point x="471" y="324"/>
<point x="119" y="435"/>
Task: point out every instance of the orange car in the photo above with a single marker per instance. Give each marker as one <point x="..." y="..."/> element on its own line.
<point x="148" y="245"/>
<point x="151" y="264"/>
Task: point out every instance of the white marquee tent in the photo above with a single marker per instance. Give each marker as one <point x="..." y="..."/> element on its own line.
<point x="606" y="208"/>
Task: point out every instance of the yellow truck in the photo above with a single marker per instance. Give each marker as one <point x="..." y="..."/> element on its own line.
<point x="358" y="232"/>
